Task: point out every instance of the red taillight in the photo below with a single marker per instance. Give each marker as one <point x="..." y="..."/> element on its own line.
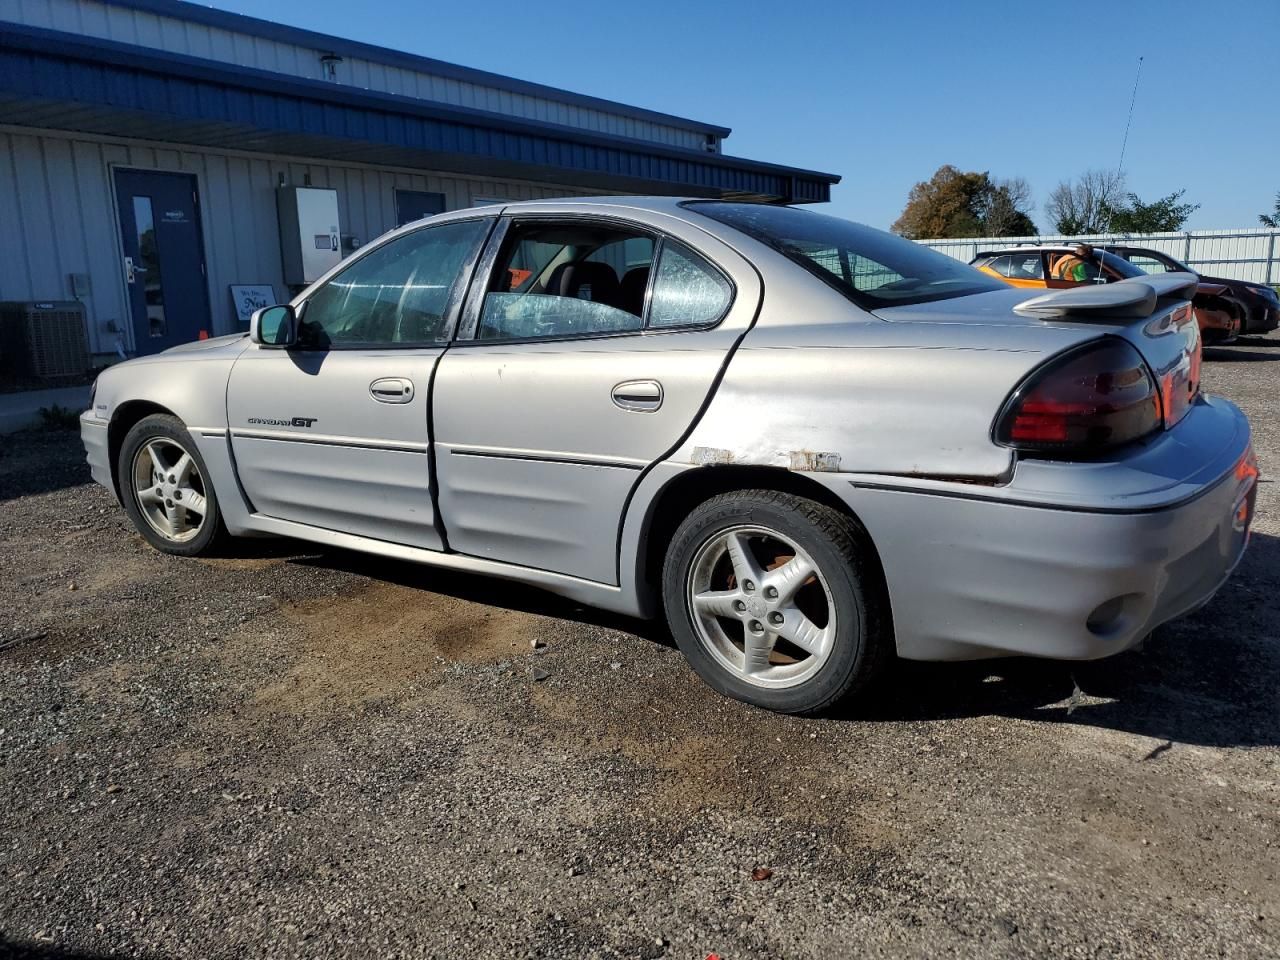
<point x="1083" y="404"/>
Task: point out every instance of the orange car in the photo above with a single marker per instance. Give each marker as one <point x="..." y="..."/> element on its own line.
<point x="1057" y="267"/>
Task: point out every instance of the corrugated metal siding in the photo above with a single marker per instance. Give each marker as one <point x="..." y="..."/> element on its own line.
<point x="198" y="40"/>
<point x="51" y="77"/>
<point x="59" y="217"/>
<point x="1250" y="254"/>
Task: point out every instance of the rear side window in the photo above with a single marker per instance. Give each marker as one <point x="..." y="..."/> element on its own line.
<point x="1000" y="265"/>
<point x="870" y="267"/>
<point x="688" y="291"/>
<point x="567" y="280"/>
<point x="563" y="279"/>
<point x="1022" y="266"/>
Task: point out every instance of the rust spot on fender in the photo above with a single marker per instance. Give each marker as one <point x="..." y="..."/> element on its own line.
<point x="814" y="461"/>
<point x="805" y="461"/>
<point x="711" y="456"/>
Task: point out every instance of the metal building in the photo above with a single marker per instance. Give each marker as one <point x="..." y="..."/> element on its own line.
<point x="156" y="155"/>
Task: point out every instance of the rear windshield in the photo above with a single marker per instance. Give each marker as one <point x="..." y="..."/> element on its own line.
<point x="872" y="268"/>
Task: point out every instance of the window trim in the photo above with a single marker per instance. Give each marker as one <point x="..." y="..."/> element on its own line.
<point x="453" y="307"/>
<point x="469" y="324"/>
<point x="653" y="279"/>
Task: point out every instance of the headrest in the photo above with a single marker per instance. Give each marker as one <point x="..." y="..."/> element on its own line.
<point x="584" y="280"/>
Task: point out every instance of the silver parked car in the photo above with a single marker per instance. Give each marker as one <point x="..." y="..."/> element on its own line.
<point x="810" y="444"/>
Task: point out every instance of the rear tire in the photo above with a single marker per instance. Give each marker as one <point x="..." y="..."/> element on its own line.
<point x="777" y="601"/>
<point x="164" y="486"/>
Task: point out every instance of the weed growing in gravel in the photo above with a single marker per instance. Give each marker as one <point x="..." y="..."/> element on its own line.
<point x="59" y="418"/>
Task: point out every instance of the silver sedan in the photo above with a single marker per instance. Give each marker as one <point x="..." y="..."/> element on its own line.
<point x="810" y="445"/>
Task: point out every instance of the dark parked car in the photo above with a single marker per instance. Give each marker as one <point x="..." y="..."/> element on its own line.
<point x="1064" y="266"/>
<point x="1259" y="305"/>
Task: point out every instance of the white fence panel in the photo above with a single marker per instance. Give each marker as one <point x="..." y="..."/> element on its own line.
<point x="1247" y="254"/>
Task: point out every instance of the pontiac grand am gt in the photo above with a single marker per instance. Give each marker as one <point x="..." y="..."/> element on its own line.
<point x="809" y="444"/>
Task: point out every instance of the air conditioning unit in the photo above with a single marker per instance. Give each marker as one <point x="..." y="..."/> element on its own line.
<point x="43" y="340"/>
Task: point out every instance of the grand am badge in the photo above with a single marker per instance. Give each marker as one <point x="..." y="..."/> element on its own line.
<point x="291" y="422"/>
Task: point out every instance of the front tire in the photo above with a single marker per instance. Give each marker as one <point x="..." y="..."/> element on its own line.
<point x="165" y="489"/>
<point x="775" y="600"/>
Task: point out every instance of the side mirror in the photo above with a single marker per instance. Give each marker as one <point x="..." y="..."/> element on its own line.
<point x="274" y="326"/>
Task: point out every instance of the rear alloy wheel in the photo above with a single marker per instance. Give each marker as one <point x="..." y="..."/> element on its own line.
<point x="163" y="485"/>
<point x="772" y="602"/>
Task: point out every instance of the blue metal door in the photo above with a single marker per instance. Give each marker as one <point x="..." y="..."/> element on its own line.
<point x="163" y="258"/>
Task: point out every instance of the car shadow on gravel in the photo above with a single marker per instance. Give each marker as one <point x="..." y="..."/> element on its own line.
<point x="41" y="461"/>
<point x="504" y="594"/>
<point x="1234" y="354"/>
<point x="25" y="950"/>
<point x="1211" y="678"/>
<point x="1258" y="340"/>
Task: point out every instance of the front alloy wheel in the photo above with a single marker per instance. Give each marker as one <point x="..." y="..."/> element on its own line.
<point x="170" y="489"/>
<point x="163" y="483"/>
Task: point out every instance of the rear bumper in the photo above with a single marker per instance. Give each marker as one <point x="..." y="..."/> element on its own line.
<point x="982" y="576"/>
<point x="93" y="434"/>
<point x="1263" y="318"/>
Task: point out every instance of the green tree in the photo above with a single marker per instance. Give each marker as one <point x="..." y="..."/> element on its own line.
<point x="956" y="203"/>
<point x="1271" y="219"/>
<point x="1162" y="215"/>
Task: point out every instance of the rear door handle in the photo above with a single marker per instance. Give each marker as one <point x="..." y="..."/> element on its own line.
<point x="392" y="390"/>
<point x="638" y="396"/>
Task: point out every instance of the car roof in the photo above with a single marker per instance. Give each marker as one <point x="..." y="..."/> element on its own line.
<point x="1029" y="248"/>
<point x="644" y="203"/>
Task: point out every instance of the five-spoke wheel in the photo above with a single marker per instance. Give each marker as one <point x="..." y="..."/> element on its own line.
<point x="170" y="489"/>
<point x="776" y="600"/>
<point x="164" y="484"/>
<point x="761" y="606"/>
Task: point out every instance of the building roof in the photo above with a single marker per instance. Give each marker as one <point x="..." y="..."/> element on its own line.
<point x="70" y="81"/>
<point x="254" y="26"/>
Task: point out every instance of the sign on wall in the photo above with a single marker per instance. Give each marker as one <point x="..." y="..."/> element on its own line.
<point x="248" y="297"/>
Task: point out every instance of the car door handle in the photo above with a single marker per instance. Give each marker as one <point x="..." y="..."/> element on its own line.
<point x="392" y="390"/>
<point x="638" y="396"/>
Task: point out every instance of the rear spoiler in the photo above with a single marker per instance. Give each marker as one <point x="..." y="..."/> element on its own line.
<point x="1134" y="298"/>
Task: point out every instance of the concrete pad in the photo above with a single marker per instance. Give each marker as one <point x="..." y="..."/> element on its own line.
<point x="21" y="410"/>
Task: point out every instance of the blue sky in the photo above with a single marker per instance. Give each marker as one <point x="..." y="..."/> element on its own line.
<point x="884" y="93"/>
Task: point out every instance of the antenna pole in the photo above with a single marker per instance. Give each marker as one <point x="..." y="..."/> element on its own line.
<point x="1129" y="120"/>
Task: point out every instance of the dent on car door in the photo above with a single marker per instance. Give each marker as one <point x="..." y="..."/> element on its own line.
<point x="333" y="433"/>
<point x="592" y="346"/>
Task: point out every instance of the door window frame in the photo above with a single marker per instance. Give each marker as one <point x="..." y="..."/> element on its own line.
<point x="469" y="325"/>
<point x="458" y="293"/>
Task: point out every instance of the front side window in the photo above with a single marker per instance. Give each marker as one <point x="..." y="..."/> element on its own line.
<point x="870" y="267"/>
<point x="398" y="293"/>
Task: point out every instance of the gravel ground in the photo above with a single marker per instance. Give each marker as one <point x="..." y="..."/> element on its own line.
<point x="301" y="753"/>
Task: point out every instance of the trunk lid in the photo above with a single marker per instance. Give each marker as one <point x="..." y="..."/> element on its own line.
<point x="1152" y="313"/>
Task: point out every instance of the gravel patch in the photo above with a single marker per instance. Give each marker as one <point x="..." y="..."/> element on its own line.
<point x="297" y="752"/>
